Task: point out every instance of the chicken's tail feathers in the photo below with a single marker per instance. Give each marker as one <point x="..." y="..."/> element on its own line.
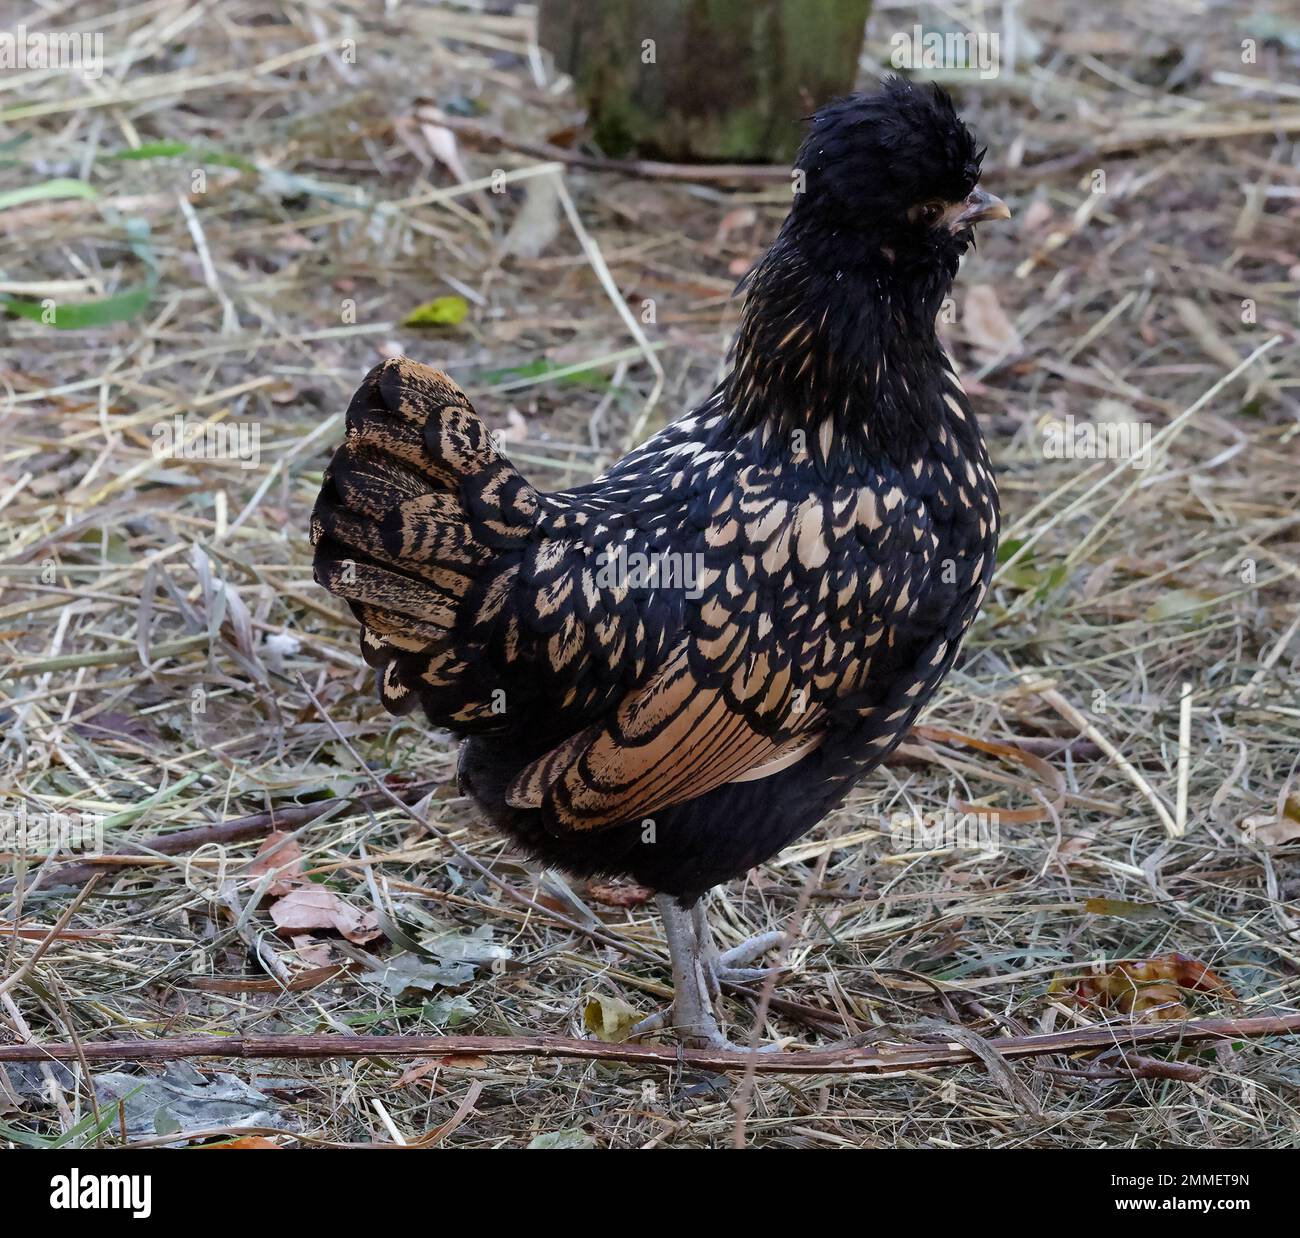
<point x="416" y="509"/>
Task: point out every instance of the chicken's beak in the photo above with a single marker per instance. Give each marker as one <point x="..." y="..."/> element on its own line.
<point x="978" y="206"/>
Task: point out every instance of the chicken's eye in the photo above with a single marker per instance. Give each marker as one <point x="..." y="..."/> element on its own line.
<point x="930" y="212"/>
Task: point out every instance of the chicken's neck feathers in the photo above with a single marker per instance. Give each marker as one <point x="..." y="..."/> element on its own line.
<point x="844" y="361"/>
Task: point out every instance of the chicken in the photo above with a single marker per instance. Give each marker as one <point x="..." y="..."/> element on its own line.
<point x="676" y="670"/>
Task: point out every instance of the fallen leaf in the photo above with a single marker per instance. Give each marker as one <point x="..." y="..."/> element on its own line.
<point x="741" y="217"/>
<point x="610" y="1019"/>
<point x="1178" y="604"/>
<point x="408" y="971"/>
<point x="308" y="909"/>
<point x="280" y="854"/>
<point x="310" y="951"/>
<point x="1150" y="989"/>
<point x="537" y="222"/>
<point x="448" y="1011"/>
<point x="416" y="1072"/>
<point x="244" y="1141"/>
<point x="120" y="726"/>
<point x="563" y="1139"/>
<point x="182" y="1099"/>
<point x="454" y="946"/>
<point x="1271" y="831"/>
<point x="987" y="325"/>
<point x="565" y="137"/>
<point x="1078" y="843"/>
<point x="611" y="894"/>
<point x="1121" y="907"/>
<point x="445" y="149"/>
<point x="440" y="312"/>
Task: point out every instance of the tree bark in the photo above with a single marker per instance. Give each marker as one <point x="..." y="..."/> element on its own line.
<point x="704" y="80"/>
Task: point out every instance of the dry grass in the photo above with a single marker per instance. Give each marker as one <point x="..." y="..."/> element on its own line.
<point x="159" y="618"/>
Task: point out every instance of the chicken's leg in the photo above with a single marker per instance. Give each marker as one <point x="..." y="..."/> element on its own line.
<point x="722" y="967"/>
<point x="691" y="1016"/>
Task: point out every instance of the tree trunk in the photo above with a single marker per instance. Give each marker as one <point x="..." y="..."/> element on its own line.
<point x="704" y="80"/>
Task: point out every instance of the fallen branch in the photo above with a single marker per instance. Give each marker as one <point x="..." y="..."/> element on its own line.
<point x="241" y="829"/>
<point x="877" y="1060"/>
<point x="488" y="135"/>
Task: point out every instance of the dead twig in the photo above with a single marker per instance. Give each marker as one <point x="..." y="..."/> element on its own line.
<point x="241" y="829"/>
<point x="884" y="1060"/>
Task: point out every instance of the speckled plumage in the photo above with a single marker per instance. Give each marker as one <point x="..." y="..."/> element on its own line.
<point x="834" y="491"/>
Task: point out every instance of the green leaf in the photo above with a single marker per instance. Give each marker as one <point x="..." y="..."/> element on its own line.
<point x="1052" y="579"/>
<point x="24" y="1139"/>
<point x="1026" y="573"/>
<point x="173" y="150"/>
<point x="1009" y="547"/>
<point x="152" y="150"/>
<point x="1025" y="576"/>
<point x="544" y="369"/>
<point x="121" y="307"/>
<point x="61" y="188"/>
<point x="223" y="159"/>
<point x="440" y="312"/>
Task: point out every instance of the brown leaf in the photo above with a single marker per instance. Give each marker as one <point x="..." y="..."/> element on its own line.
<point x="243" y="1141"/>
<point x="1150" y="989"/>
<point x="1122" y="908"/>
<point x="417" y="1070"/>
<point x="741" y="218"/>
<point x="612" y="894"/>
<point x="249" y="984"/>
<point x="1273" y="831"/>
<point x="316" y="954"/>
<point x="987" y="325"/>
<point x="308" y="909"/>
<point x="280" y="854"/>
